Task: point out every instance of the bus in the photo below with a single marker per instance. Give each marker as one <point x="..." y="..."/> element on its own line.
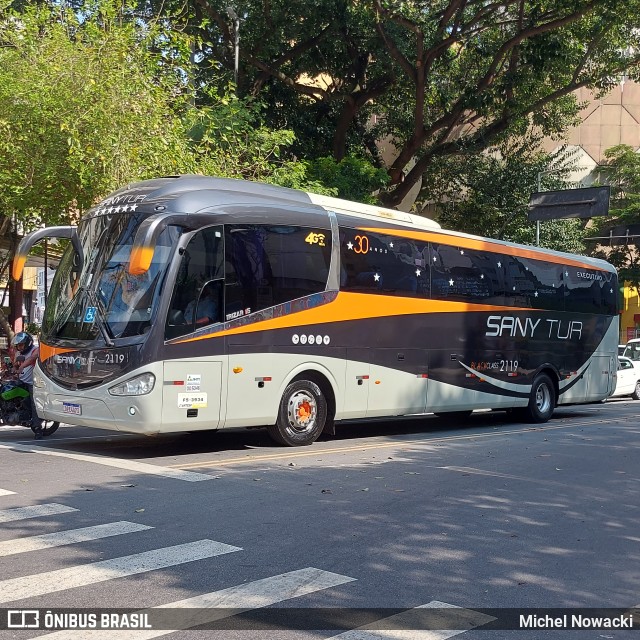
<point x="192" y="303"/>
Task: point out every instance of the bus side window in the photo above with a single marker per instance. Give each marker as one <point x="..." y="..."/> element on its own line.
<point x="266" y="265"/>
<point x="466" y="275"/>
<point x="197" y="284"/>
<point x="388" y="265"/>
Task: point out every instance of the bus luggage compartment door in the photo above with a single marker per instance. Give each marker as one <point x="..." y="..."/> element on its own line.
<point x="191" y="395"/>
<point x="599" y="377"/>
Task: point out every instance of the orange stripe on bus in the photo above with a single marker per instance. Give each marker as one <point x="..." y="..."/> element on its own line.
<point x="357" y="306"/>
<point x="47" y="352"/>
<point x="481" y="245"/>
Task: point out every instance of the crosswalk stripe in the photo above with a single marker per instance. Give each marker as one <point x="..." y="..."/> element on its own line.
<point x="128" y="465"/>
<point x="36" y="511"/>
<point x="468" y="618"/>
<point x="210" y="607"/>
<point x="61" y="538"/>
<point x="6" y="492"/>
<point x="85" y="574"/>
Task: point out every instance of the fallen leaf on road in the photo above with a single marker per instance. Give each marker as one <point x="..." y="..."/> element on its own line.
<point x="367" y="489"/>
<point x="127" y="485"/>
<point x="326" y="491"/>
<point x="139" y="510"/>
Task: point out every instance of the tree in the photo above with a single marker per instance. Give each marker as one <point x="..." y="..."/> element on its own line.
<point x="92" y="100"/>
<point x="487" y="195"/>
<point x="84" y="107"/>
<point x="444" y="78"/>
<point x="622" y="172"/>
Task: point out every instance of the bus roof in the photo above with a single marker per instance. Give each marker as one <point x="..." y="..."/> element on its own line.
<point x="205" y="192"/>
<point x="194" y="193"/>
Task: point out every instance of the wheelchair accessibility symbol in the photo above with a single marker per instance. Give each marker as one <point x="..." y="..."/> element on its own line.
<point x="90" y="314"/>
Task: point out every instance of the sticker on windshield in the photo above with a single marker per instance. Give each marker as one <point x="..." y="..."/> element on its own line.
<point x="90" y="314"/>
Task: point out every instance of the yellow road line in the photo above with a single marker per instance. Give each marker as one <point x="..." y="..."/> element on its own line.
<point x="367" y="447"/>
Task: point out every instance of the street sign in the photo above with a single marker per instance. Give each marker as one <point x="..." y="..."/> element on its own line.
<point x="569" y="203"/>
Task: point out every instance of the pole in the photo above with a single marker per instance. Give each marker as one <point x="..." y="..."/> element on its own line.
<point x="46" y="269"/>
<point x="236" y="41"/>
<point x="538" y="221"/>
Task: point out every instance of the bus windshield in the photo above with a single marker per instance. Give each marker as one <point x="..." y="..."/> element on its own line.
<point x="99" y="297"/>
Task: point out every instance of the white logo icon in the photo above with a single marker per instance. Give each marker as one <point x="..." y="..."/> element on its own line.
<point x="327" y="340"/>
<point x="23" y="619"/>
<point x="295" y="338"/>
<point x="318" y="339"/>
<point x="303" y="339"/>
<point x="312" y="339"/>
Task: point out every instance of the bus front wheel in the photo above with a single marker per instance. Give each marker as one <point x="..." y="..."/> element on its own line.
<point x="542" y="401"/>
<point x="301" y="416"/>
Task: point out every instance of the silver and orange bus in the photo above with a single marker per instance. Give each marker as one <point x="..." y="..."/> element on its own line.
<point x="193" y="303"/>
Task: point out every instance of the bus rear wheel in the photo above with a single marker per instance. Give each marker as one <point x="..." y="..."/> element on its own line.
<point x="542" y="400"/>
<point x="301" y="415"/>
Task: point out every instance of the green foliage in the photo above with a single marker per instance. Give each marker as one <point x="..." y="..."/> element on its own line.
<point x="32" y="328"/>
<point x="84" y="107"/>
<point x="488" y="194"/>
<point x="443" y="79"/>
<point x="622" y="172"/>
<point x="94" y="99"/>
<point x="353" y="178"/>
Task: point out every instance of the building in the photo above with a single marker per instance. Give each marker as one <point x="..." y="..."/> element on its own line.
<point x="606" y="122"/>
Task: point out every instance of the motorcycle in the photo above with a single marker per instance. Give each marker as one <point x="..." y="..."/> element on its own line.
<point x="15" y="405"/>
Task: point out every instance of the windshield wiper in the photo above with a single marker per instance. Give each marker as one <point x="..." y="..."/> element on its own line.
<point x="102" y="325"/>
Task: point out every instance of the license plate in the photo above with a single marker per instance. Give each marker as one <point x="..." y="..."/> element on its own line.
<point x="70" y="407"/>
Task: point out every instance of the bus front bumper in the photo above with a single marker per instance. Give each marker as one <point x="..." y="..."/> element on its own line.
<point x="97" y="408"/>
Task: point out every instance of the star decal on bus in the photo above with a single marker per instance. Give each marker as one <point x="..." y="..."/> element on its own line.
<point x="349" y="245"/>
<point x="376" y="276"/>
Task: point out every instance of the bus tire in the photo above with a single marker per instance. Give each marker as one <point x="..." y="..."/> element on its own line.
<point x="301" y="416"/>
<point x="542" y="400"/>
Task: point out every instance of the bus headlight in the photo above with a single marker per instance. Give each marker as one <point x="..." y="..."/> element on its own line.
<point x="38" y="380"/>
<point x="138" y="386"/>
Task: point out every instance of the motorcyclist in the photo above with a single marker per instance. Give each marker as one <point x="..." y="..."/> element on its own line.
<point x="26" y="354"/>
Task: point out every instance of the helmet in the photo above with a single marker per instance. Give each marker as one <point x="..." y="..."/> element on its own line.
<point x="22" y="341"/>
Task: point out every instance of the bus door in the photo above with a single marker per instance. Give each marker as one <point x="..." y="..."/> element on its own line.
<point x="191" y="394"/>
<point x="600" y="376"/>
<point x="193" y="373"/>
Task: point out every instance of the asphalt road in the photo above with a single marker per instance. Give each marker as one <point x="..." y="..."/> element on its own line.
<point x="485" y="515"/>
